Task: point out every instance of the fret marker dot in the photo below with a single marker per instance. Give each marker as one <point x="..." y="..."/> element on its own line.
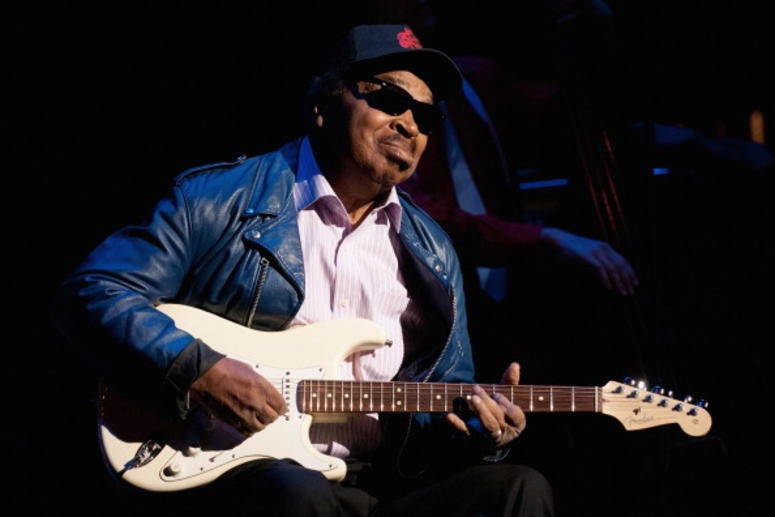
<point x="347" y="395"/>
<point x="541" y="398"/>
<point x="438" y="397"/>
<point x="365" y="395"/>
<point x="314" y="395"/>
<point x="398" y="403"/>
<point x="329" y="395"/>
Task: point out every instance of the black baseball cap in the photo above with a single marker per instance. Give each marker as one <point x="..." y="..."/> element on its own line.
<point x="371" y="49"/>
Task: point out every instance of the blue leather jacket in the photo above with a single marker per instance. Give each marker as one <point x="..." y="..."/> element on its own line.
<point x="226" y="240"/>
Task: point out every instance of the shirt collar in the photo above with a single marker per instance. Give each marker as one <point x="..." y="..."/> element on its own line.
<point x="311" y="185"/>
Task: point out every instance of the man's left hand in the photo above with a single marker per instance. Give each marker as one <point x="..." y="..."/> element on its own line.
<point x="500" y="418"/>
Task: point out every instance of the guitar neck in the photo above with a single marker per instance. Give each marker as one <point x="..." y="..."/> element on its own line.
<point x="332" y="396"/>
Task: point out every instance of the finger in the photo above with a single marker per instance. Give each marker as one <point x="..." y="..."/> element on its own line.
<point x="603" y="273"/>
<point x="457" y="422"/>
<point x="619" y="283"/>
<point x="488" y="411"/>
<point x="273" y="397"/>
<point x="620" y="269"/>
<point x="511" y="375"/>
<point x="632" y="278"/>
<point x="617" y="268"/>
<point x="514" y="416"/>
<point x="515" y="421"/>
<point x="604" y="261"/>
<point x="266" y="415"/>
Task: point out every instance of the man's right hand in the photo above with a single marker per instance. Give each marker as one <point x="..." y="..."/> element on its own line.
<point x="612" y="268"/>
<point x="235" y="393"/>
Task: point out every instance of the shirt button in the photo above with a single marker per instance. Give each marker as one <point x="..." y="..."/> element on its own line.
<point x="255" y="234"/>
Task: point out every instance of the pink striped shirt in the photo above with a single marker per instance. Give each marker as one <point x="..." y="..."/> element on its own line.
<point x="350" y="272"/>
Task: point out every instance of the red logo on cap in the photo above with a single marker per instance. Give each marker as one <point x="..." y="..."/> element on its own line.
<point x="407" y="39"/>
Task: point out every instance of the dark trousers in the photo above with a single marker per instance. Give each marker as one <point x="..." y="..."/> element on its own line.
<point x="283" y="488"/>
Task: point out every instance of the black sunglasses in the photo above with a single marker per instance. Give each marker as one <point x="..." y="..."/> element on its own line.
<point x="394" y="100"/>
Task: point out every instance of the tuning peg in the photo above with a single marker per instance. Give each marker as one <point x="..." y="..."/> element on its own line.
<point x="702" y="403"/>
<point x="641" y="385"/>
<point x="628" y="380"/>
<point x="688" y="399"/>
<point x="657" y="389"/>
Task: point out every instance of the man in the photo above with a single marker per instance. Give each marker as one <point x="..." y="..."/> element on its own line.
<point x="311" y="232"/>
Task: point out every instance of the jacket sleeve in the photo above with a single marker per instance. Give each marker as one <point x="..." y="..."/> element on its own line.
<point x="106" y="307"/>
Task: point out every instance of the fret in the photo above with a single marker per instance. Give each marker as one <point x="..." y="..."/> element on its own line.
<point x="314" y="397"/>
<point x="319" y="396"/>
<point x="335" y="404"/>
<point x="350" y="395"/>
<point x="326" y="395"/>
<point x="573" y="398"/>
<point x="303" y="396"/>
<point x="370" y="396"/>
<point x="333" y="397"/>
<point x="341" y="395"/>
<point x="551" y="399"/>
<point x="310" y="387"/>
<point x="532" y="407"/>
<point x="417" y="385"/>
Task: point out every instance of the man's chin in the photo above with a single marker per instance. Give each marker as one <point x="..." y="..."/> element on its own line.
<point x="399" y="161"/>
<point x="397" y="175"/>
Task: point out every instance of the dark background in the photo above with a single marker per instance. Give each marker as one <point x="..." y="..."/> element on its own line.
<point x="108" y="101"/>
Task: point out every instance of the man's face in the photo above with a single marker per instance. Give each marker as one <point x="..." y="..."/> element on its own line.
<point x="385" y="147"/>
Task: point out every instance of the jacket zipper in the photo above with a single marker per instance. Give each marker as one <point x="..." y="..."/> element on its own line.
<point x="453" y="299"/>
<point x="262" y="272"/>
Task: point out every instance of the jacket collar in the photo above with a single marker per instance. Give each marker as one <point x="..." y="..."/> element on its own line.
<point x="273" y="181"/>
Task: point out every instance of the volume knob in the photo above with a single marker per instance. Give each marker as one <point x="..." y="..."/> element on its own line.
<point x="172" y="470"/>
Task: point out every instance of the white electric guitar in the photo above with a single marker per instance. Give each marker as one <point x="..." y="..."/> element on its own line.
<point x="164" y="455"/>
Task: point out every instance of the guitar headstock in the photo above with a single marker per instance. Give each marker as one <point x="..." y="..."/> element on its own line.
<point x="638" y="407"/>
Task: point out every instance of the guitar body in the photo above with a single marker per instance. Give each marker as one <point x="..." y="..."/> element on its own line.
<point x="152" y="453"/>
